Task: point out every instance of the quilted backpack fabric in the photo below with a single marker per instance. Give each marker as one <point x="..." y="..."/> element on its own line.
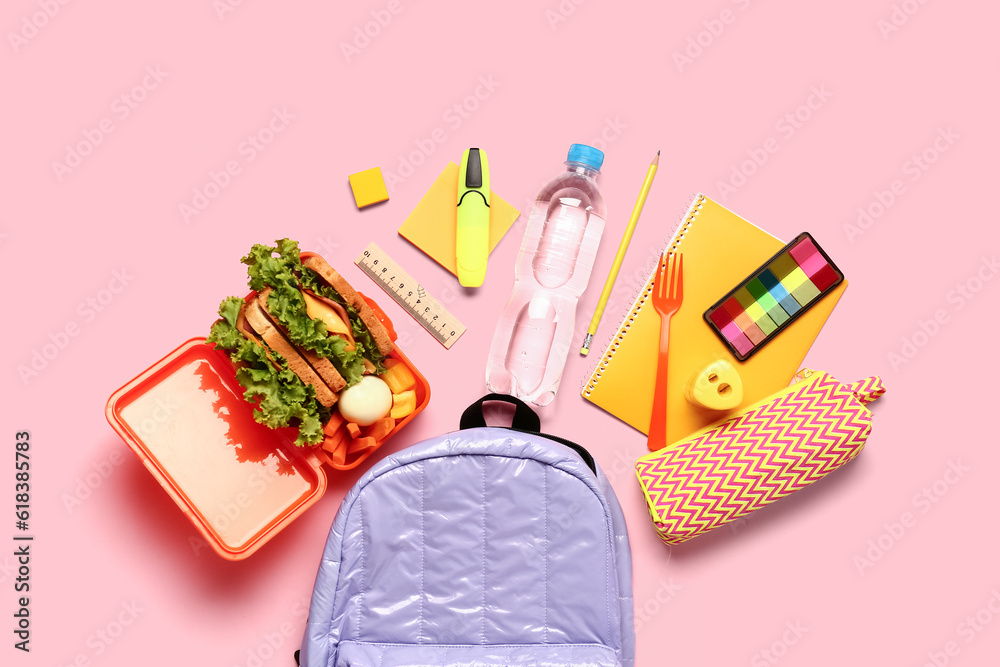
<point x="486" y="546"/>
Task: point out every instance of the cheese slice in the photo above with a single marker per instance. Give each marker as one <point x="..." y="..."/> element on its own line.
<point x="332" y="314"/>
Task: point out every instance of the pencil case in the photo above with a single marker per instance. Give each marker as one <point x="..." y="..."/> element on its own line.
<point x="774" y="447"/>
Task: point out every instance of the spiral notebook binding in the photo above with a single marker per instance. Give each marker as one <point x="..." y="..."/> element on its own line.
<point x="685" y="221"/>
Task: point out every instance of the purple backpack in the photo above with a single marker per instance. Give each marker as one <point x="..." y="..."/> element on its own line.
<point x="486" y="546"/>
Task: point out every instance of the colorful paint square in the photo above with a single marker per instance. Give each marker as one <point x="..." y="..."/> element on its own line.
<point x="765" y="323"/>
<point x="735" y="336"/>
<point x="802" y="251"/>
<point x="789" y="304"/>
<point x="744" y="297"/>
<point x="782" y="265"/>
<point x="743" y="321"/>
<point x="813" y="264"/>
<point x="824" y="278"/>
<point x="762" y="296"/>
<point x="756" y="288"/>
<point x="755" y="335"/>
<point x="733" y="307"/>
<point x="720" y="317"/>
<point x="805" y="293"/>
<point x="742" y="344"/>
<point x="732" y="330"/>
<point x="794" y="279"/>
<point x="763" y="320"/>
<point x="767" y="279"/>
<point x="779" y="293"/>
<point x="750" y="305"/>
<point x="777" y="313"/>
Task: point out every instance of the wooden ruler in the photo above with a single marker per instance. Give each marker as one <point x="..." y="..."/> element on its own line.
<point x="411" y="295"/>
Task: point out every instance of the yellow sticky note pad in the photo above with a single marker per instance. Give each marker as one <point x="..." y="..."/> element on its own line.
<point x="431" y="224"/>
<point x="368" y="187"/>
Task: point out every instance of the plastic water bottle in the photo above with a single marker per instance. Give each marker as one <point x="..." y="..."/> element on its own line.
<point x="535" y="332"/>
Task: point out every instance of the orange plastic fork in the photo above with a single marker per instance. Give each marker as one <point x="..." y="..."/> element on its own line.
<point x="668" y="293"/>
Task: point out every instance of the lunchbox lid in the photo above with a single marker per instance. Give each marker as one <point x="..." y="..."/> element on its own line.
<point x="239" y="482"/>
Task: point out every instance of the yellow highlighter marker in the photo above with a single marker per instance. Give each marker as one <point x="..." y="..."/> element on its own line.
<point x="472" y="232"/>
<point x="622" y="247"/>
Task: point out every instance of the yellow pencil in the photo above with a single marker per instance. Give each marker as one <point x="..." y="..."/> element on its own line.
<point x="622" y="247"/>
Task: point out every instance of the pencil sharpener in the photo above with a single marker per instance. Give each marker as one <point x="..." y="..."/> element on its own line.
<point x="716" y="387"/>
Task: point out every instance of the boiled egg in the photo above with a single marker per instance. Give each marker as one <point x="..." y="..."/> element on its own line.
<point x="366" y="402"/>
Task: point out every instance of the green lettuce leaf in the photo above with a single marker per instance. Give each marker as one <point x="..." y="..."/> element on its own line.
<point x="312" y="282"/>
<point x="224" y="332"/>
<point x="362" y="336"/>
<point x="365" y="343"/>
<point x="281" y="398"/>
<point x="280" y="268"/>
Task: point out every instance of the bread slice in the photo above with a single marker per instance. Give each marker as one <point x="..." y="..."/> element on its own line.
<point x="244" y="328"/>
<point x="378" y="331"/>
<point x="265" y="328"/>
<point x="323" y="367"/>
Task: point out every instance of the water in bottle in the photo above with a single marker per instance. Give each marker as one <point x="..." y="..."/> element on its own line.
<point x="553" y="268"/>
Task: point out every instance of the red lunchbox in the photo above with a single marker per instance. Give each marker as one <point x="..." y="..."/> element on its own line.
<point x="238" y="482"/>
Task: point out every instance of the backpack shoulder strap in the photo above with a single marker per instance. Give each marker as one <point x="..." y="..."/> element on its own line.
<point x="525" y="420"/>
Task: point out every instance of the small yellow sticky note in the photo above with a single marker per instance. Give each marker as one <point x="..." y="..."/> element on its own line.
<point x="368" y="187"/>
<point x="431" y="225"/>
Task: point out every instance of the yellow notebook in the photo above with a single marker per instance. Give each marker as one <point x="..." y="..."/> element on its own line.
<point x="720" y="250"/>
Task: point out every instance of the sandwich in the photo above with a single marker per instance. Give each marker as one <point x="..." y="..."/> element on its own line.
<point x="299" y="340"/>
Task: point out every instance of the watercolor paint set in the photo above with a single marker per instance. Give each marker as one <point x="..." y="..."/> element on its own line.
<point x="773" y="296"/>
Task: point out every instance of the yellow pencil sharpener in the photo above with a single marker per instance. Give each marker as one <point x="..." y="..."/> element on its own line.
<point x="716" y="387"/>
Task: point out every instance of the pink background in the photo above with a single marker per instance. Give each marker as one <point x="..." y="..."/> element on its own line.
<point x="558" y="73"/>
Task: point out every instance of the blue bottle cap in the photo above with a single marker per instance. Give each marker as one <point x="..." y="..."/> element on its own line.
<point x="586" y="155"/>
